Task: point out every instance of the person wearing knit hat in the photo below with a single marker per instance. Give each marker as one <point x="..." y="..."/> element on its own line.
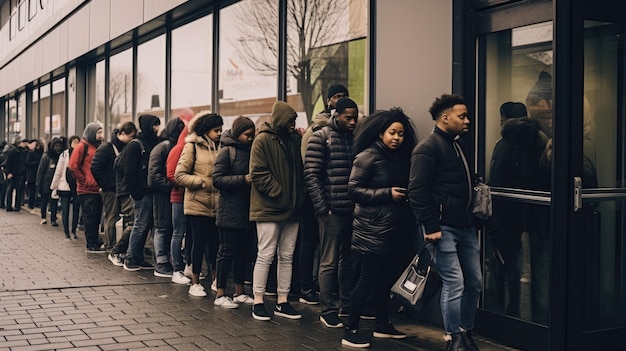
<point x="240" y="125"/>
<point x="194" y="172"/>
<point x="335" y="93"/>
<point x="276" y="200"/>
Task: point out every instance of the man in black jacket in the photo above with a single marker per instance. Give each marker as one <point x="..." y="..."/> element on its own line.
<point x="103" y="172"/>
<point x="15" y="170"/>
<point x="440" y="193"/>
<point x="327" y="166"/>
<point x="133" y="165"/>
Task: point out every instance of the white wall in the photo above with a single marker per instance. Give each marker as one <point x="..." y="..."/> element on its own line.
<point x="413" y="56"/>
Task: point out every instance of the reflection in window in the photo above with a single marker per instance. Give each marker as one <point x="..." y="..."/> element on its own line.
<point x="120" y="89"/>
<point x="192" y="66"/>
<point x="98" y="112"/>
<point x="13" y="126"/>
<point x="35" y="122"/>
<point x="151" y="78"/>
<point x="58" y="110"/>
<point x="44" y="117"/>
<point x="248" y="77"/>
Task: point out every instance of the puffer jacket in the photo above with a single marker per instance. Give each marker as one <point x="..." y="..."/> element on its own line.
<point x="319" y="121"/>
<point x="327" y="169"/>
<point x="378" y="223"/>
<point x="278" y="189"/>
<point x="229" y="177"/>
<point x="47" y="166"/>
<point x="440" y="187"/>
<point x="81" y="158"/>
<point x="195" y="168"/>
<point x="60" y="183"/>
<point x="157" y="179"/>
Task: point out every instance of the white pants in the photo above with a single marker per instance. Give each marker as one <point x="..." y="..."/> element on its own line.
<point x="275" y="237"/>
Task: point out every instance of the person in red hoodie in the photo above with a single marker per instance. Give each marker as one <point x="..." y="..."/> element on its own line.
<point x="86" y="185"/>
<point x="176" y="198"/>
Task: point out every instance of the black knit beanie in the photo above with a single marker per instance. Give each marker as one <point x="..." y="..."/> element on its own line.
<point x="337" y="88"/>
<point x="240" y="125"/>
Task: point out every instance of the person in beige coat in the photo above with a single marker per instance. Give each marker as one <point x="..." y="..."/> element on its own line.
<point x="194" y="172"/>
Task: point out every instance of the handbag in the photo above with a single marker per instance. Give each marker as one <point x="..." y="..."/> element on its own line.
<point x="412" y="282"/>
<point x="482" y="200"/>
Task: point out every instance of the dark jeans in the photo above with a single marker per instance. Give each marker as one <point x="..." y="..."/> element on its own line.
<point x="54" y="205"/>
<point x="205" y="233"/>
<point x="32" y="194"/>
<point x="233" y="250"/>
<point x="378" y="273"/>
<point x="309" y="239"/>
<point x="91" y="206"/>
<point x="337" y="263"/>
<point x="127" y="214"/>
<point x="15" y="184"/>
<point x="3" y="194"/>
<point x="67" y="199"/>
<point x="144" y="221"/>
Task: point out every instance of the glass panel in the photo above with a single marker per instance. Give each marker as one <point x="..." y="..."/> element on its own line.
<point x="13" y="126"/>
<point x="248" y="61"/>
<point x="35" y="125"/>
<point x="518" y="115"/>
<point x="603" y="134"/>
<point x="98" y="114"/>
<point x="21" y="114"/>
<point x="44" y="109"/>
<point x="151" y="78"/>
<point x="326" y="45"/>
<point x="120" y="90"/>
<point x="58" y="109"/>
<point x="192" y="62"/>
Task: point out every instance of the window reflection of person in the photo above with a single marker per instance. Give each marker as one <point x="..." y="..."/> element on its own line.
<point x="514" y="164"/>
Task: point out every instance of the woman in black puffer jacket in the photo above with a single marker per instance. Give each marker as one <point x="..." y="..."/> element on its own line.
<point x="382" y="215"/>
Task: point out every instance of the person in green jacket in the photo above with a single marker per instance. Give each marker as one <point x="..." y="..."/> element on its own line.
<point x="276" y="199"/>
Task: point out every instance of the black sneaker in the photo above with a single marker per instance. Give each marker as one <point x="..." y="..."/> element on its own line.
<point x="260" y="313"/>
<point x="469" y="340"/>
<point x="145" y="265"/>
<point x="353" y="338"/>
<point x="331" y="320"/>
<point x="387" y="331"/>
<point x="131" y="265"/>
<point x="54" y="224"/>
<point x="310" y="297"/>
<point x="163" y="270"/>
<point x="285" y="310"/>
<point x="96" y="250"/>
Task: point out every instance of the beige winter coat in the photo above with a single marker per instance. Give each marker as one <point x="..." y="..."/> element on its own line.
<point x="195" y="169"/>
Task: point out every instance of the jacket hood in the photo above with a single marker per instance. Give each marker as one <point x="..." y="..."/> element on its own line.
<point x="204" y="120"/>
<point x="281" y="114"/>
<point x="172" y="130"/>
<point x="55" y="141"/>
<point x="90" y="133"/>
<point x="520" y="130"/>
<point x="228" y="139"/>
<point x="321" y="119"/>
<point x="186" y="115"/>
<point x="145" y="123"/>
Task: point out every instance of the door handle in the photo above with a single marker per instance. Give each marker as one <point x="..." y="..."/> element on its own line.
<point x="578" y="194"/>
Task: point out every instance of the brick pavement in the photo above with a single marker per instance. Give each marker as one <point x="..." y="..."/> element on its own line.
<point x="54" y="296"/>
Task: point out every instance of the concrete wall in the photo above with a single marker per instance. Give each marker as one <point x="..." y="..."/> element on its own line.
<point x="413" y="56"/>
<point x="68" y="32"/>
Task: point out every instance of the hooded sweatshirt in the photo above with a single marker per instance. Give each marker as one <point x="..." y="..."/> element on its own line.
<point x="276" y="169"/>
<point x="80" y="161"/>
<point x="47" y="166"/>
<point x="176" y="195"/>
<point x="102" y="165"/>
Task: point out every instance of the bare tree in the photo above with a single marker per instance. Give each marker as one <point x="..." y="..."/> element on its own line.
<point x="311" y="26"/>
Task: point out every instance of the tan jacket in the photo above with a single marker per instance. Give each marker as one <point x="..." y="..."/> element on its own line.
<point x="195" y="170"/>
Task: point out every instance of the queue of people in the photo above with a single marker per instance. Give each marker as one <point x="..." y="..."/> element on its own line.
<point x="214" y="198"/>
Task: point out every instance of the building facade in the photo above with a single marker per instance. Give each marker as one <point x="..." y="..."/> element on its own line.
<point x="555" y="269"/>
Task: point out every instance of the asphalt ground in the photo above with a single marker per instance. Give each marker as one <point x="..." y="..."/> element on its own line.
<point x="54" y="296"/>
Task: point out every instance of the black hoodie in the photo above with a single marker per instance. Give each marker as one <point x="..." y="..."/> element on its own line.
<point x="102" y="164"/>
<point x="47" y="165"/>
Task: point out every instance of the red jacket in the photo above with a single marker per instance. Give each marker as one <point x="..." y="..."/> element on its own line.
<point x="176" y="195"/>
<point x="80" y="166"/>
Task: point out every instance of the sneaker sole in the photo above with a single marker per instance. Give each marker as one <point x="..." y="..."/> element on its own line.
<point x="260" y="318"/>
<point x="358" y="346"/>
<point x="305" y="301"/>
<point x="197" y="295"/>
<point x="131" y="269"/>
<point x="288" y="316"/>
<point x="181" y="282"/>
<point x="368" y="318"/>
<point x="389" y="336"/>
<point x="95" y="252"/>
<point x="230" y="307"/>
<point x="162" y="275"/>
<point x="117" y="264"/>
<point x="328" y="325"/>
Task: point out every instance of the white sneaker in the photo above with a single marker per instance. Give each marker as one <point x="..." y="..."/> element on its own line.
<point x="188" y="272"/>
<point x="43" y="221"/>
<point x="214" y="285"/>
<point x="243" y="298"/>
<point x="180" y="278"/>
<point x="225" y="302"/>
<point x="197" y="290"/>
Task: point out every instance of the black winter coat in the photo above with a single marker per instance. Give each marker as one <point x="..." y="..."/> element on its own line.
<point x="16" y="162"/>
<point x="379" y="222"/>
<point x="229" y="177"/>
<point x="440" y="187"/>
<point x="102" y="163"/>
<point x="327" y="167"/>
<point x="157" y="181"/>
<point x="32" y="164"/>
<point x="45" y="172"/>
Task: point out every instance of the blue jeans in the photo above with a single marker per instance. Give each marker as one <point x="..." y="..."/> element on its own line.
<point x="457" y="258"/>
<point x="179" y="223"/>
<point x="141" y="226"/>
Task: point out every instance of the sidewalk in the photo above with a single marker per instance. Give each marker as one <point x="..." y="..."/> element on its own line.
<point x="55" y="296"/>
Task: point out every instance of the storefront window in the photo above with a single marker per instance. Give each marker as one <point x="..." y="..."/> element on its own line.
<point x="248" y="74"/>
<point x="13" y="126"/>
<point x="192" y="60"/>
<point x="151" y="78"/>
<point x="44" y="112"/>
<point x="98" y="111"/>
<point x="518" y="113"/>
<point x="35" y="124"/>
<point x="57" y="122"/>
<point x="120" y="90"/>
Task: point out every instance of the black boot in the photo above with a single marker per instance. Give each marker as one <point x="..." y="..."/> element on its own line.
<point x="457" y="343"/>
<point x="469" y="340"/>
